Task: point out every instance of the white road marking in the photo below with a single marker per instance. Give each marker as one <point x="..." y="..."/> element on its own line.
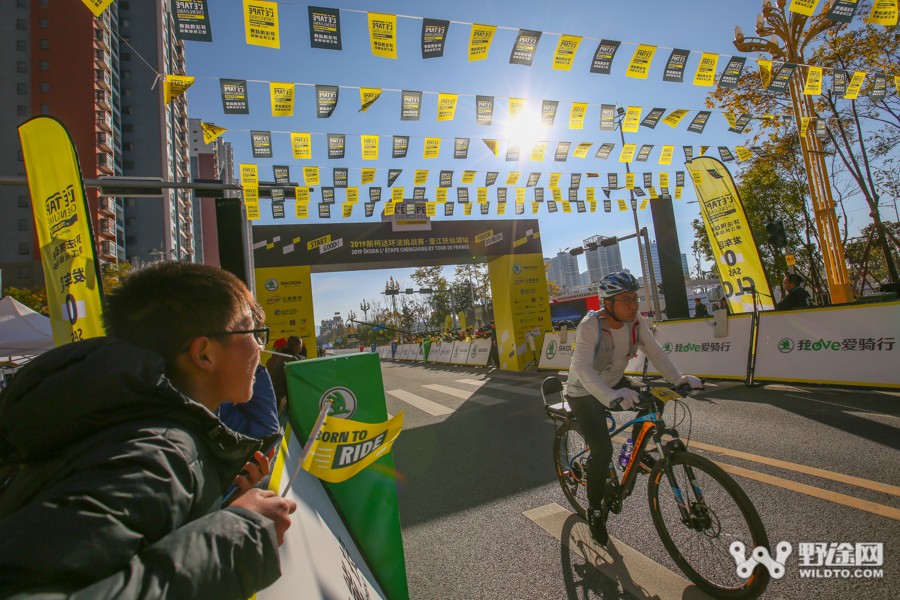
<point x="462" y="394"/>
<point x="424" y="404"/>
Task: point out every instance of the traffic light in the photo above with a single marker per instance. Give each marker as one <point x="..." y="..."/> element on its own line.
<point x="777" y="236"/>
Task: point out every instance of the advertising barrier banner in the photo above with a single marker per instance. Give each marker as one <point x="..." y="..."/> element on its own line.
<point x="460" y="352"/>
<point x="554" y="353"/>
<point x="479" y="352"/>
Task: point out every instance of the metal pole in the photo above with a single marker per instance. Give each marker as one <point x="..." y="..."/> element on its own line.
<point x="654" y="289"/>
<point x="637" y="227"/>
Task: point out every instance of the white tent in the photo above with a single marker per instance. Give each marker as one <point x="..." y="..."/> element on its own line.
<point x="23" y="332"/>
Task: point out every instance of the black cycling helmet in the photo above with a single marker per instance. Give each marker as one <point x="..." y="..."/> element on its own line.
<point x="617" y="283"/>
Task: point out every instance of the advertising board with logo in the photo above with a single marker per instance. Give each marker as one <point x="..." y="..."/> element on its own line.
<point x="555" y="353"/>
<point x="285" y="294"/>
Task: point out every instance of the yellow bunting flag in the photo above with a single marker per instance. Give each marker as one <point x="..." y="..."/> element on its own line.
<point x="211" y="132"/>
<point x="520" y="195"/>
<point x="576" y="115"/>
<point x="813" y="85"/>
<point x="804" y="125"/>
<point x="557" y="194"/>
<point x="397" y="194"/>
<point x="352" y="195"/>
<point x="175" y="85"/>
<point x="629" y="181"/>
<point x="249" y="175"/>
<point x="301" y="193"/>
<point x="301" y="211"/>
<point x="301" y="145"/>
<point x="675" y="117"/>
<point x="589" y="194"/>
<point x="389" y="208"/>
<point x="282" y="99"/>
<point x="467" y="210"/>
<point x="421" y="177"/>
<point x="480" y="41"/>
<point x="516" y="106"/>
<point x="731" y="118"/>
<point x="446" y="106"/>
<point x="623" y="206"/>
<point x="468" y="177"/>
<point x="346" y="210"/>
<point x="430" y="209"/>
<point x="432" y="147"/>
<point x="567" y="207"/>
<point x="367" y="97"/>
<point x="803" y="7"/>
<point x="482" y="195"/>
<point x="855" y="85"/>
<point x="383" y="35"/>
<point x="706" y="69"/>
<point x="639" y="67"/>
<point x="884" y="12"/>
<point x="627" y="154"/>
<point x="554" y="180"/>
<point x="62" y="223"/>
<point x="367" y="176"/>
<point x="261" y="23"/>
<point x="644" y="204"/>
<point x="665" y="156"/>
<point x="369" y="145"/>
<point x="440" y="195"/>
<point x="663" y="180"/>
<point x="565" y="52"/>
<point x="703" y="150"/>
<point x="581" y="150"/>
<point x="632" y="119"/>
<point x="512" y="178"/>
<point x="311" y="175"/>
<point x="97" y="6"/>
<point x="343" y="447"/>
<point x="678" y="189"/>
<point x="743" y="154"/>
<point x="252" y="206"/>
<point x="492" y="146"/>
<point x="765" y="71"/>
<point x="897" y="83"/>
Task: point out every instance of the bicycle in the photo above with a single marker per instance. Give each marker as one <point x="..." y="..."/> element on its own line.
<point x="704" y="510"/>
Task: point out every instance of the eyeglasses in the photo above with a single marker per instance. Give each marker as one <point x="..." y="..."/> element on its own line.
<point x="626" y="301"/>
<point x="261" y="334"/>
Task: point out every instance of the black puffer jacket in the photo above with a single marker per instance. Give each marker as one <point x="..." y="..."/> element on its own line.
<point x="120" y="482"/>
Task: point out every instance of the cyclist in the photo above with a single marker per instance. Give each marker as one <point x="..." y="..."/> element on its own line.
<point x="605" y="341"/>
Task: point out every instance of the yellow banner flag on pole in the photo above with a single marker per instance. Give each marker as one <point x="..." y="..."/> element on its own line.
<point x="737" y="257"/>
<point x="383" y="35"/>
<point x="639" y="67"/>
<point x="301" y="145"/>
<point x="565" y="52"/>
<point x="211" y="132"/>
<point x="282" y="96"/>
<point x="706" y="69"/>
<point x="480" y="41"/>
<point x="71" y="271"/>
<point x="175" y="85"/>
<point x="342" y="448"/>
<point x="813" y="85"/>
<point x="261" y="23"/>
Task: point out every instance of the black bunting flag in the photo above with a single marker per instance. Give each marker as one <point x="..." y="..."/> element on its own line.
<point x="603" y="56"/>
<point x="393" y="174"/>
<point x="324" y="28"/>
<point x="732" y="72"/>
<point x="484" y="110"/>
<point x="434" y="36"/>
<point x="336" y="144"/>
<point x="653" y="117"/>
<point x="326" y="100"/>
<point x="191" y="20"/>
<point x="675" y="65"/>
<point x="400" y="146"/>
<point x="525" y="47"/>
<point x="562" y="151"/>
<point x="261" y="143"/>
<point x="410" y="105"/>
<point x="490" y="178"/>
<point x="234" y="96"/>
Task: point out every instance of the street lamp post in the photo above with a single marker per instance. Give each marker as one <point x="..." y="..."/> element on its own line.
<point x="365" y="306"/>
<point x="392" y="288"/>
<point x="790" y="30"/>
<point x="645" y="258"/>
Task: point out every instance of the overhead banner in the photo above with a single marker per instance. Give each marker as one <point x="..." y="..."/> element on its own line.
<point x="737" y="257"/>
<point x="261" y="143"/>
<point x="675" y="65"/>
<point x="410" y="105"/>
<point x="480" y="41"/>
<point x="484" y="110"/>
<point x="71" y="271"/>
<point x="282" y="98"/>
<point x="434" y="36"/>
<point x="324" y="28"/>
<point x="211" y="132"/>
<point x="191" y="20"/>
<point x="383" y="35"/>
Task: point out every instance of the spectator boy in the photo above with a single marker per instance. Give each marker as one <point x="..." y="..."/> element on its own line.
<point x="115" y="464"/>
<point x="700" y="309"/>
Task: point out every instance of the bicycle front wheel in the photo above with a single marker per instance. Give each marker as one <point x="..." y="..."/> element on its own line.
<point x="719" y="514"/>
<point x="570" y="460"/>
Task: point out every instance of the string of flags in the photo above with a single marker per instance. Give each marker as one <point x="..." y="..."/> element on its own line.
<point x="261" y="23"/>
<point x="302" y="147"/>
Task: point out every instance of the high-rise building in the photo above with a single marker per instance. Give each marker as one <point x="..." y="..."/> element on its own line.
<point x="657" y="272"/>
<point x="60" y="60"/>
<point x="213" y="161"/>
<point x="603" y="260"/>
<point x="563" y="269"/>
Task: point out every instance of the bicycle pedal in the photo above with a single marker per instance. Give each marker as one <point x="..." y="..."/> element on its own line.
<point x="647" y="463"/>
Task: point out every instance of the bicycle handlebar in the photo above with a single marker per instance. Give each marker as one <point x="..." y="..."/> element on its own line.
<point x="648" y="401"/>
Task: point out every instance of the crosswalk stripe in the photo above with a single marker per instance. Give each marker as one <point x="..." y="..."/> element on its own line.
<point x="462" y="394"/>
<point x="424" y="404"/>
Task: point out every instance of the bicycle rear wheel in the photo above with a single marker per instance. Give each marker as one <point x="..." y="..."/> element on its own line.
<point x="720" y="513"/>
<point x="570" y="460"/>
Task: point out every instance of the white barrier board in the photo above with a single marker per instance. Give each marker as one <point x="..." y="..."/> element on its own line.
<point x="460" y="352"/>
<point x="554" y="353"/>
<point x="479" y="353"/>
<point x="419" y="352"/>
<point x="318" y="551"/>
<point x="434" y="351"/>
<point x="407" y="351"/>
<point x="446" y="353"/>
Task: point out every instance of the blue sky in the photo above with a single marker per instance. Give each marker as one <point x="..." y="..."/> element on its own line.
<point x="698" y="25"/>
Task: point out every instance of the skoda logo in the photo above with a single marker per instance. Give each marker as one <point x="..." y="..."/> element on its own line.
<point x="474" y="351"/>
<point x="271" y="285"/>
<point x="668" y="347"/>
<point x="517" y="268"/>
<point x="551" y="350"/>
<point x="785" y="345"/>
<point x="343" y="402"/>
